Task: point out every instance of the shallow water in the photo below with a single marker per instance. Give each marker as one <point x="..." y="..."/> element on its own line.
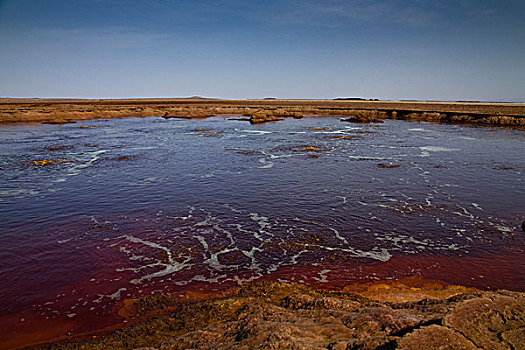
<point x="137" y="206"/>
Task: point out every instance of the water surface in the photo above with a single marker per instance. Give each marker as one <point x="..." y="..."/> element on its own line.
<point x="128" y="207"/>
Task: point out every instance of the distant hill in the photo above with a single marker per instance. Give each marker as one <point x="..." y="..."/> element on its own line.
<point x="355" y="99"/>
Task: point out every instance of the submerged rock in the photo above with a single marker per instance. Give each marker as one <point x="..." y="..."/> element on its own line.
<point x="42" y="162"/>
<point x="58" y="148"/>
<point x="388" y="166"/>
<point x="343" y="137"/>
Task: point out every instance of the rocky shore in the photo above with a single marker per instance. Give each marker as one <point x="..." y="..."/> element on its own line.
<point x="411" y="314"/>
<point x="260" y="111"/>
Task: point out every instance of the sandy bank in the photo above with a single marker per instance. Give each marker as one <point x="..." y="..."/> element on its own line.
<point x="258" y="111"/>
<point x="407" y="314"/>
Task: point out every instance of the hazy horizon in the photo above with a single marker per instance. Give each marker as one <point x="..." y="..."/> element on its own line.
<point x="250" y="98"/>
<point x="399" y="50"/>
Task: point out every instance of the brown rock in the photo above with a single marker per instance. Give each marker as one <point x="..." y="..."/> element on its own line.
<point x="356" y="120"/>
<point x="388" y="166"/>
<point x="515" y="338"/>
<point x="482" y="320"/>
<point x="305" y="301"/>
<point x="366" y="116"/>
<point x="434" y="337"/>
<point x="271" y="315"/>
<point x="372" y="343"/>
<point x="343" y="137"/>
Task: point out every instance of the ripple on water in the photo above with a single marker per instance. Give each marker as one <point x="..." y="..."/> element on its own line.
<point x="250" y="203"/>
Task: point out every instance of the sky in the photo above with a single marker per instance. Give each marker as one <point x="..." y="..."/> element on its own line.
<point x="414" y="49"/>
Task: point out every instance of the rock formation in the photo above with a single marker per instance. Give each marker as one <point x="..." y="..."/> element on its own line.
<point x="271" y="315"/>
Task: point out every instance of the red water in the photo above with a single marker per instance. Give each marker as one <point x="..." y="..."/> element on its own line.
<point x="488" y="271"/>
<point x="153" y="206"/>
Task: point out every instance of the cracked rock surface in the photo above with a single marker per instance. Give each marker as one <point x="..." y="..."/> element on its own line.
<point x="273" y="315"/>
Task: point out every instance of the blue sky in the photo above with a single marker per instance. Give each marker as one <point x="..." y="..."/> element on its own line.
<point x="418" y="49"/>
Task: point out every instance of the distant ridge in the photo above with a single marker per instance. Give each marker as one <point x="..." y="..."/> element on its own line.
<point x="201" y="98"/>
<point x="355" y="99"/>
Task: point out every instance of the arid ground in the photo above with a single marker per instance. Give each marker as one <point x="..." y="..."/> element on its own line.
<point x="68" y="110"/>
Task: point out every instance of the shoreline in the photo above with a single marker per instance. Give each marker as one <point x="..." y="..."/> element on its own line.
<point x="60" y="111"/>
<point x="391" y="313"/>
<point x="136" y="321"/>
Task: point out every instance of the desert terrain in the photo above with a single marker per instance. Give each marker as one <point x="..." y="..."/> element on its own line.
<point x="58" y="111"/>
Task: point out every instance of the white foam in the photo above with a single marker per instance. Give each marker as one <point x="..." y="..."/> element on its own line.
<point x="437" y="149"/>
<point x="382" y="255"/>
<point x="256" y="132"/>
<point x="322" y="276"/>
<point x="332" y="132"/>
<point x="241" y="281"/>
<point x="171" y="267"/>
<point x="17" y="193"/>
<point x="254" y="234"/>
<point x="77" y="169"/>
<point x="263" y="223"/>
<point x="267" y="164"/>
<point x="273" y="156"/>
<point x="251" y="254"/>
<point x="419" y="129"/>
<point x="503" y="229"/>
<point x="116" y="295"/>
